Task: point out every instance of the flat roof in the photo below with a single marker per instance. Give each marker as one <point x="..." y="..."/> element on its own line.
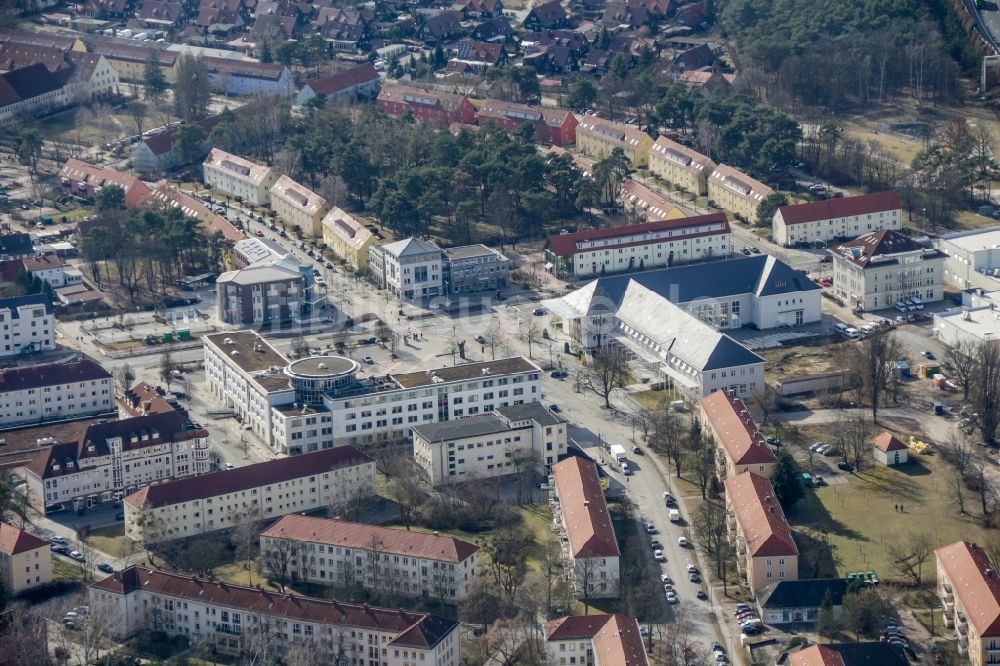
<point x="530" y="410"/>
<point x="972" y="241"/>
<point x="253" y="354"/>
<point x="322" y="366"/>
<point x="978" y="322"/>
<point x="472" y="426"/>
<point x="459" y="373"/>
<point x="470" y="251"/>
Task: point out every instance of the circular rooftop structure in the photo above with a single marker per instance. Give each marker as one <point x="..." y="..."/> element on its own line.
<point x="322" y="367"/>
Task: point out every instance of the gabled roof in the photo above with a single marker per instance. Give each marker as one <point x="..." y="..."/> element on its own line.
<point x="803" y="593"/>
<point x="168" y="194"/>
<point x="410" y="246"/>
<point x="14" y="540"/>
<point x="563" y="245"/>
<point x="887" y="442"/>
<point x="412" y="95"/>
<point x="681" y="155"/>
<point x="51" y="374"/>
<point x="655" y="205"/>
<point x="17" y="243"/>
<point x="298" y="196"/>
<point x="163" y="143"/>
<point x="584" y="510"/>
<point x="696" y="57"/>
<point x="343" y="225"/>
<point x="740" y="184"/>
<point x="238" y="167"/>
<point x="615" y="638"/>
<point x="736" y="430"/>
<point x="975" y="582"/>
<point x="880" y="247"/>
<point x="761" y="520"/>
<point x="495" y="109"/>
<point x="96" y="176"/>
<point x="53" y="40"/>
<point x="549" y="13"/>
<point x="849" y="654"/>
<point x="628" y="137"/>
<point x="344" y="79"/>
<point x="42" y="262"/>
<point x="29" y="82"/>
<point x="828" y="209"/>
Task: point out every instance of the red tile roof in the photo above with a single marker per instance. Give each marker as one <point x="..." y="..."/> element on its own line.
<point x="584" y="509"/>
<point x="390" y="540"/>
<point x="93" y="175"/>
<point x="656" y="206"/>
<point x="615" y="638"/>
<point x="816" y="655"/>
<point x="398" y="93"/>
<point x="50" y="374"/>
<point x="762" y="522"/>
<point x="870" y="246"/>
<point x="566" y="244"/>
<point x="344" y="79"/>
<point x="975" y="582"/>
<point x="412" y="629"/>
<point x="887" y="442"/>
<point x="735" y="429"/>
<point x="496" y="109"/>
<point x="845" y="207"/>
<point x="14" y="540"/>
<point x="168" y="194"/>
<point x="244" y="478"/>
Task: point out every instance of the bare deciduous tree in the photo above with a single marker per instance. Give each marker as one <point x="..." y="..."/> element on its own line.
<point x="494" y="338"/>
<point x="243" y="535"/>
<point x="124" y="378"/>
<point x="907" y="557"/>
<point x="712" y="532"/>
<point x="855" y="440"/>
<point x="985" y="392"/>
<point x="608" y="372"/>
<point x="531" y="335"/>
<point x="963" y="357"/>
<point x="873" y="359"/>
<point x="668" y="438"/>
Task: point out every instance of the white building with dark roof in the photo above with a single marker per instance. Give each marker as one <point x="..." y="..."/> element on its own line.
<point x="830" y="219"/>
<point x="238" y="177"/>
<point x="59" y="391"/>
<point x="28" y="325"/>
<point x="410" y="269"/>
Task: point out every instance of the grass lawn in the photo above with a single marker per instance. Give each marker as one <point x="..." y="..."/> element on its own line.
<point x="64" y="572"/>
<point x="969" y="220"/>
<point x="112" y="540"/>
<point x="859" y="517"/>
<point x="656" y="400"/>
<point x="238" y="574"/>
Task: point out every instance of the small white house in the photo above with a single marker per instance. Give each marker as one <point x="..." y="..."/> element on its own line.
<point x="888" y="450"/>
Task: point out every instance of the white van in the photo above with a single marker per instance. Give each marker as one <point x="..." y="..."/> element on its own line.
<point x="901" y="307"/>
<point x="840" y="328"/>
<point x="852" y="333"/>
<point x="675" y="515"/>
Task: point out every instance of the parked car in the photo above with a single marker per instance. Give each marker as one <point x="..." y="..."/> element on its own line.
<point x="105" y="567"/>
<point x="682" y="542"/>
<point x="692" y="568"/>
<point x="369" y="360"/>
<point x="671" y="598"/>
<point x="658" y="556"/>
<point x="538" y="312"/>
<point x="701" y="595"/>
<point x="815" y="446"/>
<point x="76" y="555"/>
<point x="230" y="466"/>
<point x="480" y="339"/>
<point x="554" y="408"/>
<point x="656" y="544"/>
<point x="929" y="355"/>
<point x="694" y="578"/>
<point x="666" y="580"/>
<point x="651" y="528"/>
<point x="846" y="466"/>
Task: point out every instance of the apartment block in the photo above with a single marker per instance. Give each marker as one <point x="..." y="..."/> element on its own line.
<point x="595" y="640"/>
<point x="510" y="440"/>
<point x="641" y="204"/>
<point x="28" y="325"/>
<point x="54" y="392"/>
<point x="347" y="238"/>
<point x="298" y="206"/>
<point x="740" y="445"/>
<point x="598" y="138"/>
<point x="765" y="549"/>
<point x="832" y="219"/>
<point x="581" y="516"/>
<point x="25" y="560"/>
<point x="554" y="127"/>
<point x="87" y="180"/>
<point x="221" y="500"/>
<point x="233" y="618"/>
<point x="969" y="589"/>
<point x="736" y="192"/>
<point x="680" y="166"/>
<point x="435" y="108"/>
<point x="238" y="177"/>
<point x="388" y="560"/>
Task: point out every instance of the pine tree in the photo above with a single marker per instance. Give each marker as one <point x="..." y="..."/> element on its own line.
<point x="787" y="480"/>
<point x="154" y="80"/>
<point x="265" y="53"/>
<point x="825" y="622"/>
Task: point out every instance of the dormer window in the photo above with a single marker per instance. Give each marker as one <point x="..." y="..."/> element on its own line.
<point x="69" y="464"/>
<point x="91" y="448"/>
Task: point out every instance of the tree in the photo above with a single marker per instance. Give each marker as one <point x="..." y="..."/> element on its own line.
<point x="667" y="438"/>
<point x="985" y="392"/>
<point x="867" y="612"/>
<point x="963" y="357"/>
<point x="29" y="148"/>
<point x="14" y="505"/>
<point x="190" y="143"/>
<point x="608" y="373"/>
<point x="768" y="207"/>
<point x="192" y="91"/>
<point x="766" y="399"/>
<point x="154" y="81"/>
<point x="826" y="623"/>
<point x="137" y="111"/>
<point x="244" y="535"/>
<point x="167" y="368"/>
<point x="874" y="360"/>
<point x="494" y="338"/>
<point x="711" y="528"/>
<point x="700" y="457"/>
<point x="787" y="480"/>
<point x="111" y="197"/>
<point x="532" y="335"/>
<point x="124" y="378"/>
<point x="406" y="490"/>
<point x="907" y="558"/>
<point x="582" y="94"/>
<point x="280" y="561"/>
<point x="855" y="439"/>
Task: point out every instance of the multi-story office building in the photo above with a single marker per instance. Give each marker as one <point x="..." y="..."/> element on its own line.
<point x="581" y="516"/>
<point x="380" y="559"/>
<point x="298" y="206"/>
<point x="54" y="391"/>
<point x="736" y="192"/>
<point x="680" y="166"/>
<point x="238" y="177"/>
<point x="410" y="269"/>
<point x="471" y="268"/>
<point x="347" y="238"/>
<point x="221" y="500"/>
<point x="107" y="461"/>
<point x="740" y="445"/>
<point x="973" y="258"/>
<point x="765" y="550"/>
<point x="595" y="640"/>
<point x="969" y="588"/>
<point x="28" y="325"/>
<point x="555" y="127"/>
<point x="831" y="219"/>
<point x="510" y="440"/>
<point x="256" y="251"/>
<point x="233" y="619"/>
<point x="260" y="295"/>
<point x="25" y="560"/>
<point x="598" y="138"/>
<point x="878" y="270"/>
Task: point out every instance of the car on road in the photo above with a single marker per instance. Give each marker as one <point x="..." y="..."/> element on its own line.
<point x="368" y="360"/>
<point x="58" y="539"/>
<point x="105" y="567"/>
<point x="554" y="408"/>
<point x="701" y="595"/>
<point x="543" y="486"/>
<point x="751" y="630"/>
<point x="651" y="529"/>
<point x="259" y="233"/>
<point x="754" y="249"/>
<point x="538" y="312"/>
<point x="656" y="544"/>
<point x="671" y="598"/>
<point x="682" y="541"/>
<point x="558" y="374"/>
<point x="929" y="355"/>
<point x="658" y="556"/>
<point x="846" y="466"/>
<point x="329" y="264"/>
<point x="773" y="441"/>
<point x="819" y="480"/>
<point x="626" y="470"/>
<point x="76" y="555"/>
<point x="480" y="339"/>
<point x="230" y="466"/>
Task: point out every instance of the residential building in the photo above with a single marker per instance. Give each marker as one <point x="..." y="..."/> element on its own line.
<point x="262" y="251"/>
<point x="53" y="40"/>
<point x="472" y="268"/>
<point x="482" y="8"/>
<point x="380" y="559"/>
<point x="298" y="206"/>
<point x="973" y="258"/>
<point x="32" y="91"/>
<point x="888" y="450"/>
<point x="238" y="177"/>
<point x="16" y="245"/>
<point x="260" y="295"/>
<point x="28" y="325"/>
<point x="598" y="138"/>
<point x="429" y="106"/>
<point x="642" y="204"/>
<point x="347" y="238"/>
<point x="736" y="192"/>
<point x="130" y="59"/>
<point x="87" y="180"/>
<point x="969" y="589"/>
<point x="154" y="154"/>
<point x="517" y="439"/>
<point x="48" y="268"/>
<point x="477" y="56"/>
<point x="740" y="445"/>
<point x="409" y="269"/>
<point x="249" y="78"/>
<point x="848" y="654"/>
<point x="230" y="618"/>
<point x="596" y="252"/>
<point x="107" y="461"/>
<point x="246" y="374"/>
<point x="169" y="195"/>
<point x="333" y="405"/>
<point x="54" y="391"/>
<point x="877" y="270"/>
<point x="595" y="640"/>
<point x="765" y="550"/>
<point x="588" y="538"/>
<point x="221" y="500"/>
<point x="546" y="15"/>
<point x="349" y="85"/>
<point x="555" y="127"/>
<point x="799" y="601"/>
<point x="680" y="166"/>
<point x="90" y="76"/>
<point x="833" y="219"/>
<point x="25" y="560"/>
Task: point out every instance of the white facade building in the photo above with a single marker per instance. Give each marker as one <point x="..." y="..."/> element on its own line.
<point x="381" y="559"/>
<point x="28" y="325"/>
<point x="239" y="177"/>
<point x="410" y="269"/>
<point x="54" y="392"/>
<point x="973" y="258"/>
<point x="232" y="618"/>
<point x="595" y="640"/>
<point x="831" y="219"/>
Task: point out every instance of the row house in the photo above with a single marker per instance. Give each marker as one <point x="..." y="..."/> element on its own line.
<point x="740" y="445"/>
<point x="969" y="589"/>
<point x="736" y="192"/>
<point x="642" y="204"/>
<point x="595" y="640"/>
<point x="233" y="619"/>
<point x="765" y="549"/>
<point x="320" y="551"/>
<point x="598" y="138"/>
<point x="130" y="60"/>
<point x="28" y="325"/>
<point x="110" y="460"/>
<point x="55" y="392"/>
<point x="831" y="219"/>
<point x="298" y="206"/>
<point x="349" y="85"/>
<point x="555" y="127"/>
<point x="680" y="166"/>
<point x="168" y="195"/>
<point x="86" y="181"/>
<point x="181" y="508"/>
<point x="589" y="544"/>
<point x="429" y="106"/>
<point x="25" y="560"/>
<point x="238" y="177"/>
<point x="347" y="237"/>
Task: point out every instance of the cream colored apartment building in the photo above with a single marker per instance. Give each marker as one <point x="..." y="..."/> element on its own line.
<point x="969" y="589"/>
<point x="25" y="560"/>
<point x="298" y="206"/>
<point x="680" y="166"/>
<point x="388" y="560"/>
<point x="740" y="445"/>
<point x="736" y="192"/>
<point x="347" y="238"/>
<point x="238" y="177"/>
<point x="221" y="500"/>
<point x="598" y="138"/>
<point x="595" y="640"/>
